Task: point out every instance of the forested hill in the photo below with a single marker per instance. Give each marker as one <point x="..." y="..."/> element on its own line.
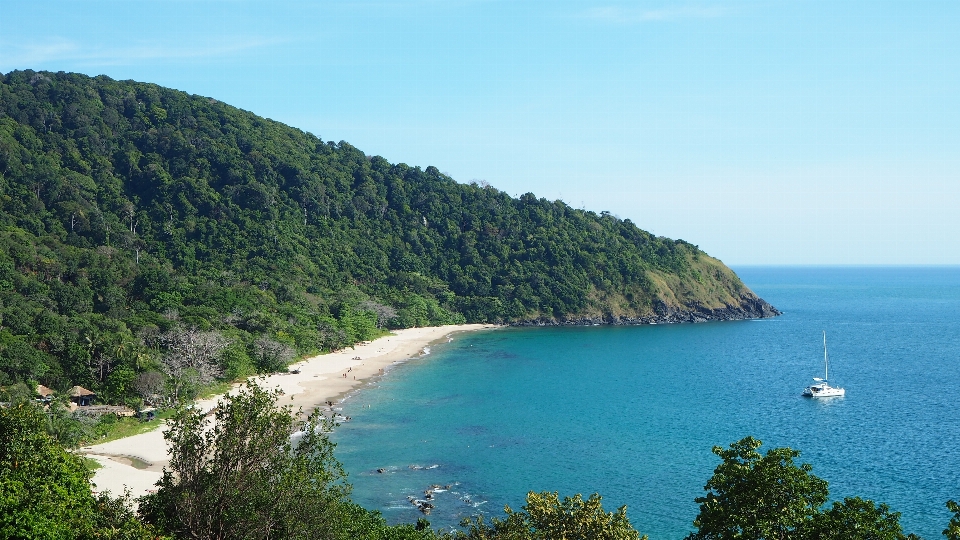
<point x="129" y="212"/>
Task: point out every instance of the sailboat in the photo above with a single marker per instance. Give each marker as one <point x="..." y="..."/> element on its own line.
<point x="821" y="388"/>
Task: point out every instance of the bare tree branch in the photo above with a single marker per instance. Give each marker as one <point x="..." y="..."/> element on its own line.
<point x="191" y="353"/>
<point x="384" y="313"/>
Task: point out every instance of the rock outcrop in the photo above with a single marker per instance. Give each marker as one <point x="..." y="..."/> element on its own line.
<point x="751" y="307"/>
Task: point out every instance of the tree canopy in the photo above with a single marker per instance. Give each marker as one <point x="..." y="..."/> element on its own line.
<point x="241" y="475"/>
<point x="259" y="471"/>
<point x="754" y="496"/>
<point x="856" y="519"/>
<point x="547" y="517"/>
<point x="45" y="490"/>
<point x="952" y="532"/>
<point x="130" y="213"/>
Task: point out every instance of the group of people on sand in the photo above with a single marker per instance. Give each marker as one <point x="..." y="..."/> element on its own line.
<point x="349" y="369"/>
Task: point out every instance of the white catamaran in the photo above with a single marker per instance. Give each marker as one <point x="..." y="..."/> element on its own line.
<point x="821" y="388"/>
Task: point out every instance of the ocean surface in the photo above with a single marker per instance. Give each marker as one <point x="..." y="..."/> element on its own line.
<point x="633" y="412"/>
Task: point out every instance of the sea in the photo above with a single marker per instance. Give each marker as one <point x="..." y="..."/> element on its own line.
<point x="632" y="412"/>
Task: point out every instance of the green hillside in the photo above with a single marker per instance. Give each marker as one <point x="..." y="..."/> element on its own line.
<point x="136" y="219"/>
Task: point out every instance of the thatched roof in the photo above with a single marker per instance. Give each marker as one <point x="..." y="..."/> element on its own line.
<point x="43" y="391"/>
<point x="79" y="391"/>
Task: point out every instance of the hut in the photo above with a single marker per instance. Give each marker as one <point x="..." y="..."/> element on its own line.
<point x="81" y="396"/>
<point x="46" y="394"/>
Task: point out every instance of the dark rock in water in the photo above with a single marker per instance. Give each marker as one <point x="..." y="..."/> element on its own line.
<point x="381" y="470"/>
<point x="421" y="505"/>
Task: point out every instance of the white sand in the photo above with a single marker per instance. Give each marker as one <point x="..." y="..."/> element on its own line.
<point x="327" y="377"/>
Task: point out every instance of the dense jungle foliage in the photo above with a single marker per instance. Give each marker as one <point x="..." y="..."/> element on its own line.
<point x="147" y="231"/>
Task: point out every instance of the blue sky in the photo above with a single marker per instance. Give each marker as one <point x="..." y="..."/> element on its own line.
<point x="765" y="132"/>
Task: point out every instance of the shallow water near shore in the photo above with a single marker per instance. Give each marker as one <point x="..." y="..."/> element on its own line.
<point x="632" y="412"/>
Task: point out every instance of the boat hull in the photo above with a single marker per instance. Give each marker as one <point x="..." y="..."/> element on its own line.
<point x="823" y="391"/>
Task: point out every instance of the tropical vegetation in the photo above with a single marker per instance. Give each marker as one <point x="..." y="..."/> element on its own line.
<point x="45" y="490"/>
<point x="152" y="242"/>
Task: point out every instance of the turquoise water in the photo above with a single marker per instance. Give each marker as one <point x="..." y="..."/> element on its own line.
<point x="632" y="412"/>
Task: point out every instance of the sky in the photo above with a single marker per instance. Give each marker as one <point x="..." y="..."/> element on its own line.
<point x="765" y="132"/>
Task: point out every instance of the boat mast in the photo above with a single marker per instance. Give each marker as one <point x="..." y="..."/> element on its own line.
<point x="826" y="364"/>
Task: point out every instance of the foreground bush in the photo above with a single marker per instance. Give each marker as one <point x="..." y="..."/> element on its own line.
<point x="753" y="496"/>
<point x="546" y="517"/>
<point x="45" y="490"/>
<point x="242" y="476"/>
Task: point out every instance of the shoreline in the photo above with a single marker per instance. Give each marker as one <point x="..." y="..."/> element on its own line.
<point x="319" y="379"/>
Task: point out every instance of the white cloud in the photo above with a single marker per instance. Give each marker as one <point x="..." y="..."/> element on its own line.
<point x="624" y="15"/>
<point x="59" y="50"/>
<point x="28" y="55"/>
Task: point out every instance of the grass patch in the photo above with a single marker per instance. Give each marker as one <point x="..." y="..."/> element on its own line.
<point x="379" y="333"/>
<point x="127" y="427"/>
<point x="215" y="389"/>
<point x="90" y="463"/>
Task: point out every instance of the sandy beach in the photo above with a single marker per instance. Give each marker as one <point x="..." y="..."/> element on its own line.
<point x="136" y="463"/>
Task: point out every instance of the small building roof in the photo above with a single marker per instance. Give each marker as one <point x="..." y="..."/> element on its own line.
<point x="79" y="391"/>
<point x="44" y="391"/>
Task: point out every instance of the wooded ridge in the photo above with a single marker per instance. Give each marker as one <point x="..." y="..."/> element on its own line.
<point x="138" y="221"/>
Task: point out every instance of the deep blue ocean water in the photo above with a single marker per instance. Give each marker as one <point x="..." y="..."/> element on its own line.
<point x="632" y="412"/>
